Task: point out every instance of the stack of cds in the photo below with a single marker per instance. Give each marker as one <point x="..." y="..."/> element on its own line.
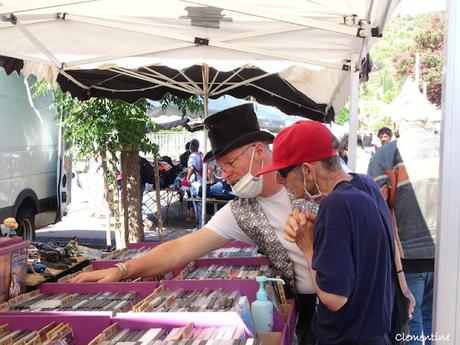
<point x="103" y="301"/>
<point x="127" y="254"/>
<point x="162" y="300"/>
<point x="187" y="335"/>
<point x="227" y="272"/>
<point x="233" y="252"/>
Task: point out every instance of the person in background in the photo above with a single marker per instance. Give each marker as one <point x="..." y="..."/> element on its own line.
<point x="348" y="245"/>
<point x="343" y="148"/>
<point x="146" y="175"/>
<point x="384" y="134"/>
<point x="407" y="171"/>
<point x="257" y="216"/>
<point x="362" y="157"/>
<point x="183" y="158"/>
<point x="195" y="162"/>
<point x="195" y="177"/>
<point x="367" y="139"/>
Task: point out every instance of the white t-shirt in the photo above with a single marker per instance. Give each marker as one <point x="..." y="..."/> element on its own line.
<point x="277" y="209"/>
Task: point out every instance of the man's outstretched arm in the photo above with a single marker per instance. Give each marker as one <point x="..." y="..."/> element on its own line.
<point x="161" y="259"/>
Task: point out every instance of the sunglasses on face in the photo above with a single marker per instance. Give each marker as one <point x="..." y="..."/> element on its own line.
<point x="285" y="171"/>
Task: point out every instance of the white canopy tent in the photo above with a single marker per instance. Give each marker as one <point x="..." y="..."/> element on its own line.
<point x="318" y="47"/>
<point x="311" y="42"/>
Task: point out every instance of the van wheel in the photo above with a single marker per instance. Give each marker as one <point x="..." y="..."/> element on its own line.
<point x="26" y="222"/>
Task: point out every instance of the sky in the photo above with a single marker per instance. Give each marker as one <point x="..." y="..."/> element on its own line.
<point x="410" y="7"/>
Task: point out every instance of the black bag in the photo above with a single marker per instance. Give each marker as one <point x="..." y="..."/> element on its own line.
<point x="400" y="318"/>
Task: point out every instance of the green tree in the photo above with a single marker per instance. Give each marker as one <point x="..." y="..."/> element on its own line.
<point x="103" y="127"/>
<point x="393" y="58"/>
<point x="386" y="121"/>
<point x="193" y="104"/>
<point x="429" y="42"/>
<point x="127" y="124"/>
<point x="342" y="117"/>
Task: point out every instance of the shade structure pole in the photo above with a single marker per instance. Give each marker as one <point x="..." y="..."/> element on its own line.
<point x="446" y="314"/>
<point x="205" y="73"/>
<point x="353" y="121"/>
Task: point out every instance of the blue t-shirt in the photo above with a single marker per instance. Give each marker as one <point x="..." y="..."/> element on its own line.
<point x="353" y="258"/>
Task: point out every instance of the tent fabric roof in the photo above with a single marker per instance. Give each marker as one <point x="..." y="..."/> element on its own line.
<point x="266" y="88"/>
<point x="313" y="44"/>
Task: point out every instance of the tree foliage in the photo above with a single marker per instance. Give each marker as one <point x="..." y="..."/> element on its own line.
<point x="107" y="125"/>
<point x="193" y="104"/>
<point x="385" y="121"/>
<point x="101" y="124"/>
<point x="394" y="59"/>
<point x="103" y="127"/>
<point x="429" y="42"/>
<point x="342" y="117"/>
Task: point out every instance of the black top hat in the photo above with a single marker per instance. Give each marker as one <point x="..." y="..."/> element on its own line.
<point x="232" y="128"/>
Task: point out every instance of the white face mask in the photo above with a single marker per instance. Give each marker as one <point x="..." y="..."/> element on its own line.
<point x="249" y="186"/>
<point x="312" y="198"/>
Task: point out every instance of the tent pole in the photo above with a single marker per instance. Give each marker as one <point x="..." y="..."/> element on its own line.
<point x="205" y="74"/>
<point x="353" y="121"/>
<point x="446" y="311"/>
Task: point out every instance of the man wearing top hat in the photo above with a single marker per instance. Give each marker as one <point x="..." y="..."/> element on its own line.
<point x="257" y="215"/>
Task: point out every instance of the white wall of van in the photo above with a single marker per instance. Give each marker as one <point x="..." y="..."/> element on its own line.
<point x="29" y="138"/>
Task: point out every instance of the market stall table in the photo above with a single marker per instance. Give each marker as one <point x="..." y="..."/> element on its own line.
<point x="213" y="201"/>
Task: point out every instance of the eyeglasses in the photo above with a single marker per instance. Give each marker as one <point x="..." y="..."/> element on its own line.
<point x="285" y="171"/>
<point x="230" y="164"/>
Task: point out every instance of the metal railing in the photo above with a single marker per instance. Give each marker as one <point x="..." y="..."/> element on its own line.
<point x="172" y="143"/>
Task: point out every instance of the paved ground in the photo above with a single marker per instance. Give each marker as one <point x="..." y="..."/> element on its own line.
<point x="91" y="230"/>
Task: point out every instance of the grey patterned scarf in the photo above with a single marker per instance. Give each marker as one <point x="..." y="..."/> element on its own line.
<point x="252" y="220"/>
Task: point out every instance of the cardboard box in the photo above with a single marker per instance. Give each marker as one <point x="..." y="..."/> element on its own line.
<point x="270" y="338"/>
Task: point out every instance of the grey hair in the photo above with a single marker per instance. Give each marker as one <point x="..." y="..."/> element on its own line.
<point x="332" y="163"/>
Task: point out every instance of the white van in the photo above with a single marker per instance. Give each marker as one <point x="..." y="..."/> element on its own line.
<point x="29" y="156"/>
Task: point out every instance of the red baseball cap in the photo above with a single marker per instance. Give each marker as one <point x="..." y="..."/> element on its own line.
<point x="303" y="142"/>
